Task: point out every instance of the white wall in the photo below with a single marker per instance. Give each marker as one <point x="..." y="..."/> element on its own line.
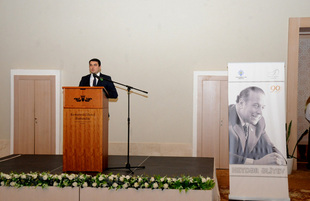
<point x="154" y="45"/>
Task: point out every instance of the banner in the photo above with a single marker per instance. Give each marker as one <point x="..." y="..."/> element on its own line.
<point x="257" y="140"/>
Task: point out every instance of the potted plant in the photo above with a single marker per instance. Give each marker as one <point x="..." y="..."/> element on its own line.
<point x="290" y="157"/>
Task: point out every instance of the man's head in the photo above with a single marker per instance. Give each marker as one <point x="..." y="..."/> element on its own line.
<point x="250" y="104"/>
<point x="94" y="66"/>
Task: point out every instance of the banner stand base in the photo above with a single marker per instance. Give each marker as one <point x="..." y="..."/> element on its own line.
<point x="258" y="199"/>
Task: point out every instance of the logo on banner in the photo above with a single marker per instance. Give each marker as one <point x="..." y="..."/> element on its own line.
<point x="274" y="74"/>
<point x="241" y="75"/>
<point x="275" y="88"/>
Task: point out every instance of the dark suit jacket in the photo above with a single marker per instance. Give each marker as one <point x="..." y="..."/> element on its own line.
<point x="109" y="86"/>
<point x="258" y="144"/>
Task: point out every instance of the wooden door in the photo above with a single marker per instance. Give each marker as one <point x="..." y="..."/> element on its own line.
<point x="224" y="134"/>
<point x="212" y="136"/>
<point x="23" y="116"/>
<point x="34" y="114"/>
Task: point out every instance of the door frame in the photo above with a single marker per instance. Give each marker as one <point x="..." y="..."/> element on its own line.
<point x="292" y="75"/>
<point x="56" y="73"/>
<point x="195" y="103"/>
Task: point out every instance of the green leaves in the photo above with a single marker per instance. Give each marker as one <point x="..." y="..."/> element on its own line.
<point x="288" y="134"/>
<point x="110" y="181"/>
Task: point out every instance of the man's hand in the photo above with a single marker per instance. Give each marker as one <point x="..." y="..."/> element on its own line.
<point x="270" y="159"/>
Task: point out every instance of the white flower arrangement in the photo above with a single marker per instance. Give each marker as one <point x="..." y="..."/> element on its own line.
<point x="105" y="181"/>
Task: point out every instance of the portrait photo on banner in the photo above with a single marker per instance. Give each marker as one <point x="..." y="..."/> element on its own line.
<point x="258" y="107"/>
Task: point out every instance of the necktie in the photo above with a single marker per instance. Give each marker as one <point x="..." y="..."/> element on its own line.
<point x="246" y="131"/>
<point x="94" y="82"/>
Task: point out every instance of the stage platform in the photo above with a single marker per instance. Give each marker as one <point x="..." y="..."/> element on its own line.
<point x="154" y="165"/>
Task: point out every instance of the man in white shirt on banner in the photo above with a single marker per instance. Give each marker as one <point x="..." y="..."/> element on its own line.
<point x="248" y="140"/>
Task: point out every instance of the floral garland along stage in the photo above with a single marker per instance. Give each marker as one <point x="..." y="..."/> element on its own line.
<point x="105" y="181"/>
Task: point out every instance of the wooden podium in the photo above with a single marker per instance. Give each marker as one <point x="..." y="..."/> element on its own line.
<point x="85" y="129"/>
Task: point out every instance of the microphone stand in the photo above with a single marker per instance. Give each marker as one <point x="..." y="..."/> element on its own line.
<point x="129" y="88"/>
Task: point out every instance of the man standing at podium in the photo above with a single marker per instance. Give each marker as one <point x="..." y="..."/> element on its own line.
<point x="95" y="78"/>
